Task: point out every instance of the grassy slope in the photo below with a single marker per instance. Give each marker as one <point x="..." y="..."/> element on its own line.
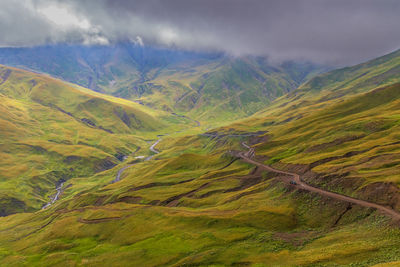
<point x="360" y="78"/>
<point x="218" y="91"/>
<point x="54" y="131"/>
<point x="207" y="87"/>
<point x="352" y="141"/>
<point x="188" y="206"/>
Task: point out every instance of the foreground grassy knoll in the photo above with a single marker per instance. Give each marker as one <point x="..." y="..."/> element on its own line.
<point x="194" y="204"/>
<point x="51" y="131"/>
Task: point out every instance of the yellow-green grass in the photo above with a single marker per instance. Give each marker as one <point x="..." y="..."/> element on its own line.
<point x="214" y="91"/>
<point x="192" y="205"/>
<point x="378" y="72"/>
<point x="367" y="124"/>
<point x="263" y="225"/>
<point x="351" y="141"/>
<point x="52" y="131"/>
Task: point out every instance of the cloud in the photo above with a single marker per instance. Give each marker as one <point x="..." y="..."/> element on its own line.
<point x="336" y="32"/>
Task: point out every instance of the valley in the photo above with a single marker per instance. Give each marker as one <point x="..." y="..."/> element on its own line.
<point x="201" y="133"/>
<point x="210" y="87"/>
<point x="298" y="181"/>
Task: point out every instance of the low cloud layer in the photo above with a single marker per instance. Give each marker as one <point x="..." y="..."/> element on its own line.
<point x="326" y="31"/>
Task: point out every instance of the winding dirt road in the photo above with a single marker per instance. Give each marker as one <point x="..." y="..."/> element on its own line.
<point x="152" y="147"/>
<point x="246" y="156"/>
<point x="120" y="171"/>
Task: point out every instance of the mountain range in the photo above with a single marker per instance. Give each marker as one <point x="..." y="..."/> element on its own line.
<point x="204" y="86"/>
<point x="143" y="156"/>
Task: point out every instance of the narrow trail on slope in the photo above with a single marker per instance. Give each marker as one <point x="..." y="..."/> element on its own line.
<point x="246" y="156"/>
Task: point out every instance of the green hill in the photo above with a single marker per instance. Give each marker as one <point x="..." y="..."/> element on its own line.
<point x="360" y="78"/>
<point x="223" y="90"/>
<point x="345" y="142"/>
<point x="196" y="204"/>
<point x="208" y="87"/>
<point x="51" y="131"/>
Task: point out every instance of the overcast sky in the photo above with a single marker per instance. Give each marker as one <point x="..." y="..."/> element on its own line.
<point x="326" y="31"/>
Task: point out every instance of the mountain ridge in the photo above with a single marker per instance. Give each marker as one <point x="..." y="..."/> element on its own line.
<point x="166" y="79"/>
<point x="56" y="131"/>
<point x="196" y="203"/>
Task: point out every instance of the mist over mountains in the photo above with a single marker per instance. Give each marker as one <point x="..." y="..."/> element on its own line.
<point x="336" y="32"/>
<point x="189" y="81"/>
<point x="200" y="133"/>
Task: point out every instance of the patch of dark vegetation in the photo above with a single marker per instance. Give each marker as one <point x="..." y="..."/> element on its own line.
<point x="10" y="205"/>
<point x="104" y="164"/>
<point x="333" y="143"/>
<point x="83" y="143"/>
<point x="72" y="159"/>
<point x="36" y="149"/>
<point x="173" y="201"/>
<point x="349" y="207"/>
<point x="155" y="202"/>
<point x="346" y="155"/>
<point x="242" y="264"/>
<point x="246" y="183"/>
<point x="129" y="119"/>
<point x="243" y="194"/>
<point x="100" y="201"/>
<point x="33" y="83"/>
<point x="104" y="129"/>
<point x="159" y="184"/>
<point x="120" y="156"/>
<point x="232" y="133"/>
<point x="123" y="153"/>
<point x="229" y="164"/>
<point x="88" y="122"/>
<point x="59" y="109"/>
<point x="100" y="220"/>
<point x="120" y="113"/>
<point x="63" y="142"/>
<point x="130" y="199"/>
<point x="268" y="123"/>
<point x="5" y="76"/>
<point x="296" y="239"/>
<point x="55" y="177"/>
<point x="256" y="176"/>
<point x="259" y="139"/>
<point x="219" y="174"/>
<point x="290" y="119"/>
